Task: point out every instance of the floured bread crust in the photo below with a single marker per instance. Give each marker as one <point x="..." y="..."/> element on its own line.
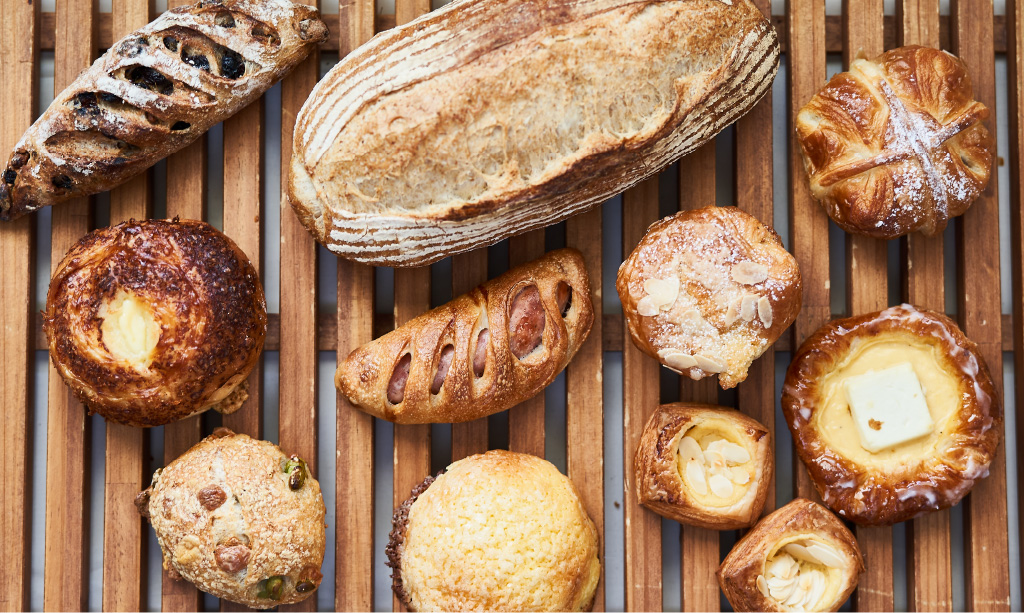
<point x="488" y="118"/>
<point x="707" y="291"/>
<point x="151" y="321"/>
<point x="933" y="473"/>
<point x="897" y="144"/>
<point x="154" y="92"/>
<point x="240" y="520"/>
<point x="499" y="531"/>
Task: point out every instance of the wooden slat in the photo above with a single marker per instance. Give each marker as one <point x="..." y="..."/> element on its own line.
<point x="65" y="578"/>
<point x="754" y="195"/>
<point x="639" y="400"/>
<point x="468" y="271"/>
<point x="700" y="553"/>
<point x="808" y="222"/>
<point x="584" y="382"/>
<point x="929" y="573"/>
<point x="122" y="526"/>
<point x="298" y="380"/>
<point x="1015" y="91"/>
<point x="353" y="557"/>
<point x="866" y="291"/>
<point x="985" y="538"/>
<point x="19" y="53"/>
<point x="526" y="420"/>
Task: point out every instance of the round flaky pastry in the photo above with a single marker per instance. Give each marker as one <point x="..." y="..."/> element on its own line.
<point x="499" y="531"/>
<point x="705" y="292"/>
<point x="151" y="321"/>
<point x="896" y="144"/>
<point x="893" y="413"/>
<point x="799" y="558"/>
<point x="704" y="465"/>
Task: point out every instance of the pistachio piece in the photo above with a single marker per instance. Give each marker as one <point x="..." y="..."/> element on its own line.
<point x="296" y="470"/>
<point x="271" y="588"/>
<point x="304" y="587"/>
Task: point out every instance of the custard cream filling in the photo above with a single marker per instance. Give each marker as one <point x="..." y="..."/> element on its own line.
<point x="129" y="329"/>
<point x="802" y="572"/>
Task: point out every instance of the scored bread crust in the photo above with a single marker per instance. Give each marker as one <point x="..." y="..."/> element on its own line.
<point x="204" y="294"/>
<point x="896" y="144"/>
<point x="702" y="248"/>
<point x="659" y="485"/>
<point x="737" y="575"/>
<point x="154" y="92"/>
<point x="870" y="495"/>
<point x="488" y="118"/>
<point x="365" y="374"/>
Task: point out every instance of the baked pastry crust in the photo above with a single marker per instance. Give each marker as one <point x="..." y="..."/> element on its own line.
<point x="660" y="484"/>
<point x="397" y="162"/>
<point x="206" y="311"/>
<point x="154" y="92"/>
<point x="451" y="334"/>
<point x="896" y="144"/>
<point x="730" y="289"/>
<point x="800" y="521"/>
<point x="935" y="474"/>
<point x="233" y="522"/>
<point x="499" y="531"/>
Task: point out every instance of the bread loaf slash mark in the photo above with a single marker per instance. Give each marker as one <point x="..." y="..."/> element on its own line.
<point x="444" y="362"/>
<point x="399" y="376"/>
<point x="526" y="322"/>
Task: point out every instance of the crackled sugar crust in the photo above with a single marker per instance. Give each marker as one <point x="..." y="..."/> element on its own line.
<point x="896" y="144"/>
<point x="500" y="531"/>
<point x="707" y="291"/>
<point x="226" y="519"/>
<point x="872" y="494"/>
<point x="208" y="303"/>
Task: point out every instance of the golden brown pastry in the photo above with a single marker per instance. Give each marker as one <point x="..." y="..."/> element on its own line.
<point x="707" y="291"/>
<point x="897" y="144"/>
<point x="481" y="353"/>
<point x="154" y="92"/>
<point x="499" y="531"/>
<point x="151" y="321"/>
<point x="239" y="519"/>
<point x="704" y="465"/>
<point x="799" y="558"/>
<point x="893" y="413"/>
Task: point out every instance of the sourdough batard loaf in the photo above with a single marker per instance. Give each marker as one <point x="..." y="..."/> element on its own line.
<point x="481" y="353"/>
<point x="154" y="92"/>
<point x="488" y="118"/>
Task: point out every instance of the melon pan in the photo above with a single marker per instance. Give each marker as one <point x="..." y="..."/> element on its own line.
<point x="489" y="118"/>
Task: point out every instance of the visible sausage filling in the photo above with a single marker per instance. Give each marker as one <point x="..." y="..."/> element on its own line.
<point x="526" y="322"/>
<point x="443" y="364"/>
<point x="564" y="296"/>
<point x="396" y="386"/>
<point x="480" y="353"/>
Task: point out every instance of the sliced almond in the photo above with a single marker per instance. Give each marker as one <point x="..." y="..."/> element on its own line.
<point x="748" y="309"/>
<point x="798" y="593"/>
<point x="709" y="365"/>
<point x="713" y="458"/>
<point x="646" y="307"/>
<point x="818" y="585"/>
<point x="733" y="312"/>
<point x="692" y="316"/>
<point x="679" y="360"/>
<point x="739" y="475"/>
<point x="777" y="582"/>
<point x="695" y="477"/>
<point x="764" y="311"/>
<point x="782" y="593"/>
<point x="721" y="486"/>
<point x="762" y="586"/>
<point x="690" y="449"/>
<point x="663" y="292"/>
<point x="825" y="555"/>
<point x="800" y="552"/>
<point x="749" y="273"/>
<point x="735" y="454"/>
<point x="782" y="566"/>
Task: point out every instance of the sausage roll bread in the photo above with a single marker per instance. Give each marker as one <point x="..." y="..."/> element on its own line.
<point x="896" y="144"/>
<point x="149" y="322"/>
<point x="481" y="353"/>
<point x="488" y="118"/>
<point x="154" y="92"/>
<point x="704" y="465"/>
<point x="707" y="291"/>
<point x="499" y="531"/>
<point x="893" y="413"/>
<point x="799" y="558"/>
<point x="239" y="519"/>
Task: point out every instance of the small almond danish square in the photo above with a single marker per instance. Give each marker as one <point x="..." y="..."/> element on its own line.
<point x="706" y="292"/>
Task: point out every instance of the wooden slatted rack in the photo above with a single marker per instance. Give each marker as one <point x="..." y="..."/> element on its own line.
<point x="77" y="32"/>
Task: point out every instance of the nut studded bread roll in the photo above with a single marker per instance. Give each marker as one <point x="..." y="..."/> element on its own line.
<point x="154" y="92"/>
<point x="488" y="118"/>
<point x="897" y="144"/>
<point x="481" y="353"/>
